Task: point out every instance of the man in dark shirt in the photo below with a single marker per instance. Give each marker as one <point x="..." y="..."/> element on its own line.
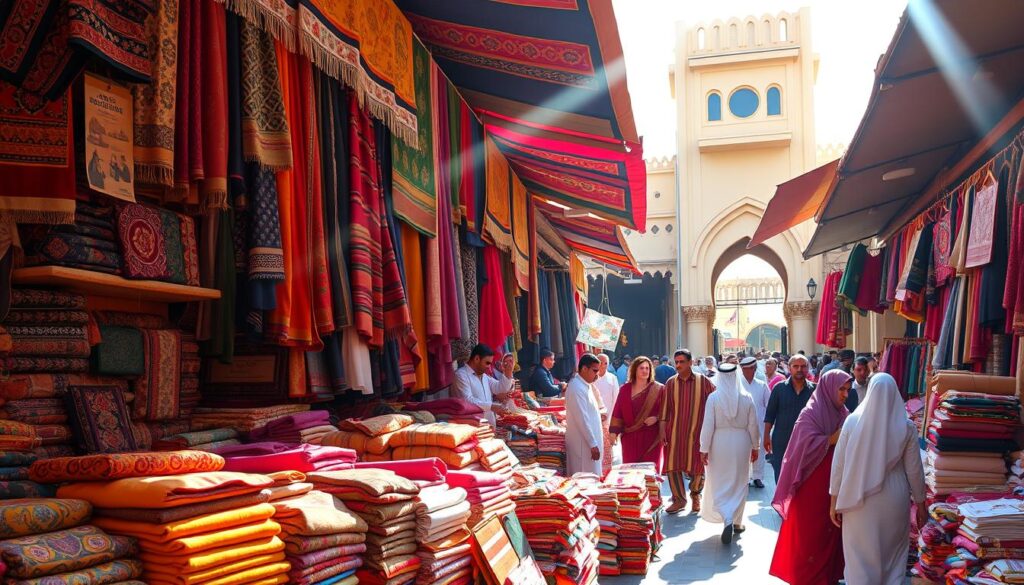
<point x="859" y="388"/>
<point x="663" y="372"/>
<point x="541" y="381"/>
<point x="787" y="400"/>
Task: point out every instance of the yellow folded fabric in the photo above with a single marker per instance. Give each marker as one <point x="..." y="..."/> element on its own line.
<point x="254" y="574"/>
<point x="207" y="559"/>
<point x="169" y="575"/>
<point x="445" y="435"/>
<point x="212" y="540"/>
<point x="450" y="457"/>
<point x="316" y="513"/>
<point x="165" y="491"/>
<point x="189" y="526"/>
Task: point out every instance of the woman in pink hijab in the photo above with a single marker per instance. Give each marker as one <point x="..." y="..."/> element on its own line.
<point x="809" y="550"/>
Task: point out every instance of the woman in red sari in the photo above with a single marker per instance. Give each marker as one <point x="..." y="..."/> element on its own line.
<point x="634" y="416"/>
<point x="809" y="550"/>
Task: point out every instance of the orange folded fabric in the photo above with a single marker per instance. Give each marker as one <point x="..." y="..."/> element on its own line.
<point x="491" y="447"/>
<point x="434" y="435"/>
<point x="208" y="559"/>
<point x="123" y="465"/>
<point x="251" y="575"/>
<point x="159" y="533"/>
<point x="359" y="442"/>
<point x="169" y="574"/>
<point x="165" y="491"/>
<point x="451" y="458"/>
<point x="286" y="477"/>
<point x="378" y="425"/>
<point x="212" y="540"/>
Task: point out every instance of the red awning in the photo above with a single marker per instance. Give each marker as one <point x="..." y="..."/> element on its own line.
<point x="794" y="202"/>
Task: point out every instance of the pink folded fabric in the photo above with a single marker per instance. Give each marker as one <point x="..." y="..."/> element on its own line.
<point x="252" y="449"/>
<point x="430" y="469"/>
<point x="451" y="406"/>
<point x="291" y="423"/>
<point x="302" y="458"/>
<point x="473" y="479"/>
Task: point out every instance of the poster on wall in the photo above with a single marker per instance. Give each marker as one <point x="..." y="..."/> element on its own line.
<point x="599" y="330"/>
<point x="983" y="223"/>
<point x="109" y="150"/>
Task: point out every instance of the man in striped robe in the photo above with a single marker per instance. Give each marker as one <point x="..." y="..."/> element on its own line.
<point x="682" y="416"/>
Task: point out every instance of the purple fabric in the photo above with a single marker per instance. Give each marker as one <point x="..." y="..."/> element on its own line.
<point x="252" y="449"/>
<point x="450" y="406"/>
<point x="286" y="425"/>
<point x="809" y="443"/>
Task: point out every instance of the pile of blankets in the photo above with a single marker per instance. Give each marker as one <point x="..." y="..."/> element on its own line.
<point x="190" y="395"/>
<point x="987" y="540"/>
<point x="14" y="465"/>
<point x="211" y="440"/>
<point x="91" y="243"/>
<point x="303" y="427"/>
<point x="387" y="502"/>
<point x="551" y="447"/>
<point x="455" y="444"/>
<point x="495" y="457"/>
<point x="639" y="533"/>
<point x="523" y="443"/>
<point x="456" y="410"/>
<point x="443" y="538"/>
<point x="53" y="541"/>
<point x="935" y="541"/>
<point x="193" y="522"/>
<point x="243" y="420"/>
<point x="607" y="501"/>
<point x="45" y="332"/>
<point x="487" y="493"/>
<point x="268" y="458"/>
<point x="370" y="437"/>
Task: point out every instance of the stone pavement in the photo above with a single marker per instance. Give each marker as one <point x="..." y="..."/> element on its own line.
<point x="693" y="552"/>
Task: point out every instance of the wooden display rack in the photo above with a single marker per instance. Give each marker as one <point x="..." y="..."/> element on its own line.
<point x="108" y="285"/>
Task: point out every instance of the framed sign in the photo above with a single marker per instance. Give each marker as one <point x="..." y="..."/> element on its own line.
<point x="109" y="146"/>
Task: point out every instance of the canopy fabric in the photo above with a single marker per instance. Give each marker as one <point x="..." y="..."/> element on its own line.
<point x="550" y="76"/>
<point x="794" y="202"/>
<point x="923" y="114"/>
<point x="596" y="238"/>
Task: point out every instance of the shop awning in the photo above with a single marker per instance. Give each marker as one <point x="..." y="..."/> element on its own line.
<point x="551" y="74"/>
<point x="794" y="202"/>
<point x="952" y="72"/>
<point x="589" y="236"/>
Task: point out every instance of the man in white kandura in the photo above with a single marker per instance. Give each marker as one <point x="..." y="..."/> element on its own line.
<point x="759" y="392"/>
<point x="729" y="442"/>
<point x="583" y="437"/>
<point x="473" y="384"/>
<point x="607" y="385"/>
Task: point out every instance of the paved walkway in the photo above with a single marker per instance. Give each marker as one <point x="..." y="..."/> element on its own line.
<point x="693" y="552"/>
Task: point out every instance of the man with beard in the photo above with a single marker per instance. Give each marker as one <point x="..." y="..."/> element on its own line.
<point x="682" y="416"/>
<point x="787" y="400"/>
<point x="760" y="394"/>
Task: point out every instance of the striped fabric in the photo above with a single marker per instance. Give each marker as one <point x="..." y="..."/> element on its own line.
<point x="444" y="435"/>
<point x="683" y="412"/>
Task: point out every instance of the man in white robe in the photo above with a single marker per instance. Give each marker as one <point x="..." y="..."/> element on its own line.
<point x="584" y="441"/>
<point x="760" y="394"/>
<point x="473" y="384"/>
<point x="729" y="442"/>
<point x="607" y="385"/>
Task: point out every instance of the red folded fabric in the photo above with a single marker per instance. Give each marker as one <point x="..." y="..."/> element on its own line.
<point x="292" y="422"/>
<point x="430" y="469"/>
<point x="473" y="479"/>
<point x="451" y="406"/>
<point x="302" y="458"/>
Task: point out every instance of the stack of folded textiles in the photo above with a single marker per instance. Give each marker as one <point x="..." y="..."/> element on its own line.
<point x="935" y="541"/>
<point x="607" y="501"/>
<point x="370" y="438"/>
<point x="304" y="427"/>
<point x="1017" y="469"/>
<point x="444" y="551"/>
<point x="190" y="395"/>
<point x="654" y="481"/>
<point x="454" y="444"/>
<point x="52" y="541"/>
<point x="243" y="420"/>
<point x="487" y="493"/>
<point x="14" y="464"/>
<point x="387" y="501"/>
<point x="496" y="457"/>
<point x="990" y="530"/>
<point x="948" y="472"/>
<point x="304" y="458"/>
<point x="561" y="527"/>
<point x="448" y="408"/>
<point x="551" y="447"/>
<point x="90" y="243"/>
<point x="194" y="523"/>
<point x="210" y="440"/>
<point x="147" y="433"/>
<point x="637" y="519"/>
<point x="324" y="540"/>
<point x="523" y="443"/>
<point x="45" y="332"/>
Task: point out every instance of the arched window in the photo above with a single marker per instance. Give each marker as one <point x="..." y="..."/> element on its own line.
<point x="774" y="101"/>
<point x="743" y="102"/>
<point x="783" y="30"/>
<point x="700" y="38"/>
<point x="751" y="40"/>
<point x="714" y="107"/>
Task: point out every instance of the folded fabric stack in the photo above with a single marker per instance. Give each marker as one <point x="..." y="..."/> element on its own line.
<point x="210" y="440"/>
<point x="194" y="524"/>
<point x="50" y="541"/>
<point x="387" y="502"/>
<point x="90" y="243"/>
<point x="607" y="501"/>
<point x="45" y="332"/>
<point x="1007" y="570"/>
<point x="484" y="431"/>
<point x="147" y="433"/>
<point x="370" y="438"/>
<point x="324" y="540"/>
<point x="190" y="394"/>
<point x="654" y="482"/>
<point x="243" y="420"/>
<point x="441" y="516"/>
<point x="638" y="527"/>
<point x="948" y="472"/>
<point x="1017" y="469"/>
<point x="304" y="427"/>
<point x="448" y="408"/>
<point x="935" y="541"/>
<point x="496" y="457"/>
<point x="157" y="244"/>
<point x="304" y="458"/>
<point x="990" y="531"/>
<point x="487" y="493"/>
<point x="454" y="444"/>
<point x="14" y="482"/>
<point x="561" y="526"/>
<point x="523" y="443"/>
<point x="426" y="472"/>
<point x="551" y="447"/>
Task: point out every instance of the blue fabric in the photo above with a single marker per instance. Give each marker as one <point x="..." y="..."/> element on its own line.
<point x="622" y="373"/>
<point x="663" y="372"/>
<point x="543" y="383"/>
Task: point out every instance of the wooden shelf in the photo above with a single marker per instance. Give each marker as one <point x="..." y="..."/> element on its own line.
<point x="109" y="285"/>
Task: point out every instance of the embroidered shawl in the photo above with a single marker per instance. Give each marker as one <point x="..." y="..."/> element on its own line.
<point x="413" y="172"/>
<point x="154" y="102"/>
<point x="265" y="135"/>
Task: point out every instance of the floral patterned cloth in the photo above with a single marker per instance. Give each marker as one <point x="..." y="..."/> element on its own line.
<point x="100" y="419"/>
<point x="62" y="551"/>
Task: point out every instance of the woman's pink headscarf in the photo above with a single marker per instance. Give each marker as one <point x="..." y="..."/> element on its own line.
<point x="807" y="447"/>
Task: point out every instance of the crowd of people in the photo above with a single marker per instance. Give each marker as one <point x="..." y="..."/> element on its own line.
<point x="834" y="429"/>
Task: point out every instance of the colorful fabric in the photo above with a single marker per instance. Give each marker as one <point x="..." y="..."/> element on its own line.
<point x="154" y="102"/>
<point x="265" y="135"/>
<point x="165" y="533"/>
<point x="25" y="489"/>
<point x="45" y="317"/>
<point x="157" y="391"/>
<point x="189" y="249"/>
<point x="64" y="249"/>
<point x="452" y="458"/>
<point x="588" y="236"/>
<point x="378" y="425"/>
<point x="495" y="322"/>
<point x="62" y="551"/>
<point x="11" y="458"/>
<point x="24" y="28"/>
<point x="143" y="245"/>
<point x="444" y="435"/>
<point x="413" y="175"/>
<point x="231" y="572"/>
<point x="166" y="491"/>
<point x="521" y="229"/>
<point x="171" y="225"/>
<point x="498" y="218"/>
<point x="169" y="515"/>
<point x="123" y="465"/>
<point x="187" y="440"/>
<point x="120" y="353"/>
<point x="48" y="340"/>
<point x="682" y="413"/>
<point x="101" y="421"/>
<point x="23" y="517"/>
<point x="37" y="364"/>
<point x="205" y="560"/>
<point x="118" y="572"/>
<point x="373" y="482"/>
<point x="27" y="298"/>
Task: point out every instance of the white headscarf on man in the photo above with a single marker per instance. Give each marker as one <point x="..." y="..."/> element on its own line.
<point x="727" y="388"/>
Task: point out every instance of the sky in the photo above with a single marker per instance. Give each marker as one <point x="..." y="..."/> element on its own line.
<point x="848" y="36"/>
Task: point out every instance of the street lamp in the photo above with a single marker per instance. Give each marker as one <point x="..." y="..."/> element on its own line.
<point x="812" y="288"/>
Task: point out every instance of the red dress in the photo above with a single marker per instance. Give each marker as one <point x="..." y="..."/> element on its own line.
<point x="809" y="550"/>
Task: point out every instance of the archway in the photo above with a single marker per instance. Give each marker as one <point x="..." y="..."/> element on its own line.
<point x="749" y="289"/>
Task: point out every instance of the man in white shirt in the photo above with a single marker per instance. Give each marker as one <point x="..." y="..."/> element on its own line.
<point x="607" y="385"/>
<point x="583" y="440"/>
<point x="473" y="384"/>
<point x="760" y="393"/>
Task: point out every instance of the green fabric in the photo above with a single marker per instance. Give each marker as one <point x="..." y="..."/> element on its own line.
<point x="516" y="536"/>
<point x="454" y="141"/>
<point x="415" y="188"/>
<point x="120" y="353"/>
<point x="850" y="283"/>
<point x="13" y="458"/>
<point x="222" y="344"/>
<point x="175" y="250"/>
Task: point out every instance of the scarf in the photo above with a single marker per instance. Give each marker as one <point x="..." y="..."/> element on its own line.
<point x="414" y="170"/>
<point x="365" y="255"/>
<point x="498" y="219"/>
<point x="185" y="123"/>
<point x="335" y="166"/>
<point x="635" y="421"/>
<point x="154" y="102"/>
<point x="415" y="281"/>
<point x="265" y="135"/>
<point x="212" y="102"/>
<point x="807" y="447"/>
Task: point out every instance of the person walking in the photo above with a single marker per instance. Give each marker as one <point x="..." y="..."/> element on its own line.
<point x="760" y="394"/>
<point x="784" y="406"/>
<point x="664" y="371"/>
<point x="729" y="440"/>
<point x="772" y="373"/>
<point x="876" y="472"/>
<point x="809" y="549"/>
<point x="636" y="414"/>
<point x="682" y="415"/>
<point x="583" y="440"/>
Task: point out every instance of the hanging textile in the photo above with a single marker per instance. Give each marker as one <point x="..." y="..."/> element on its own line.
<point x="415" y="282"/>
<point x="444" y="325"/>
<point x="332" y="105"/>
<point x="520" y="234"/>
<point x="154" y="102"/>
<point x="237" y="197"/>
<point x="222" y="340"/>
<point x="533" y="319"/>
<point x="316" y="238"/>
<point x="849" y="286"/>
<point x="870" y="281"/>
<point x="511" y="293"/>
<point x="365" y="254"/>
<point x="470" y="182"/>
<point x="266" y="264"/>
<point x="186" y="124"/>
<point x="555" y="324"/>
<point x="495" y="322"/>
<point x="468" y="262"/>
<point x="414" y="175"/>
<point x="568" y="320"/>
<point x="212" y="102"/>
<point x="498" y="216"/>
<point x="265" y="135"/>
